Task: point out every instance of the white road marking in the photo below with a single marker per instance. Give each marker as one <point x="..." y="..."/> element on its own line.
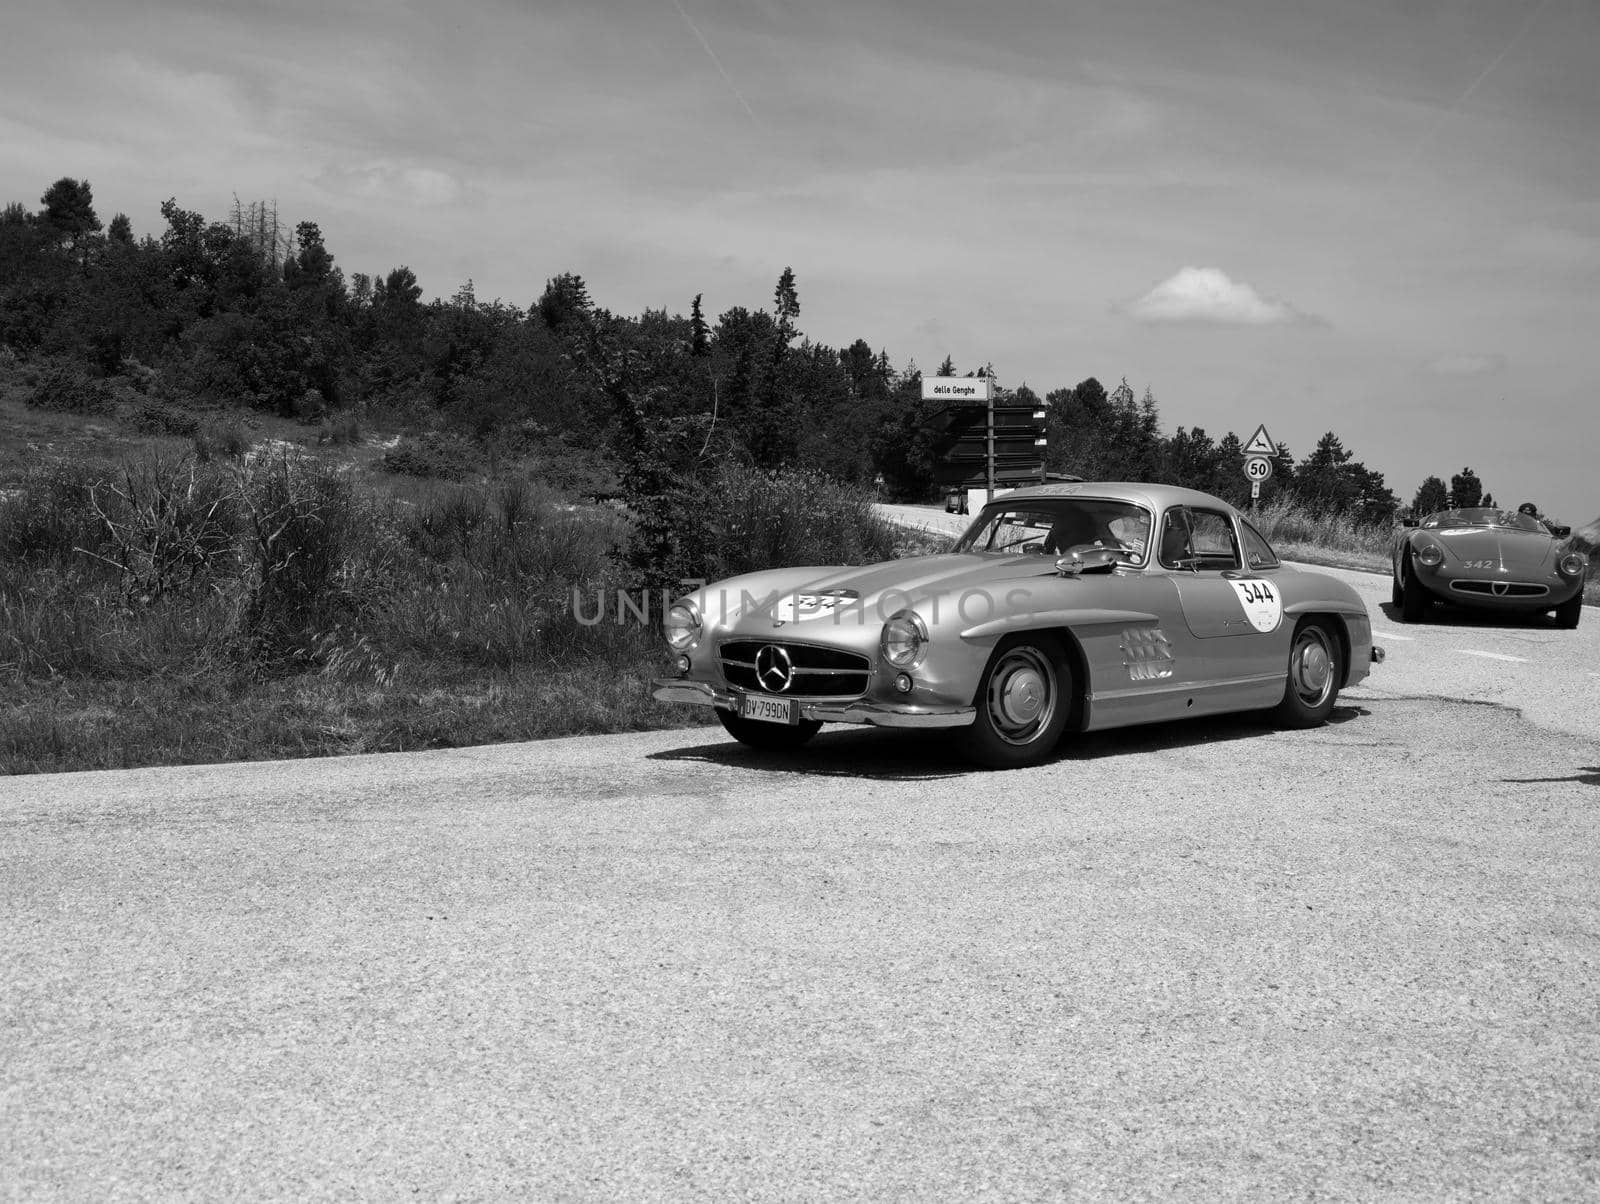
<point x="1395" y="635"/>
<point x="1494" y="656"/>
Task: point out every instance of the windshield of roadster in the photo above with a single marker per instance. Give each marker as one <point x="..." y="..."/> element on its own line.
<point x="1049" y="526"/>
<point x="1483" y="516"/>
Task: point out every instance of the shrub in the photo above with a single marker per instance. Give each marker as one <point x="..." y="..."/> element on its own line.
<point x="439" y="456"/>
<point x="153" y="417"/>
<point x="792" y="517"/>
<point x="50" y="515"/>
<point x="68" y="391"/>
<point x="301" y="517"/>
<point x="345" y="431"/>
<point x="165" y="526"/>
<point x="221" y="438"/>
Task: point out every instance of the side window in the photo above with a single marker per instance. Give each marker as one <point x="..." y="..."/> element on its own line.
<point x="1174" y="546"/>
<point x="1258" y="553"/>
<point x="1211" y="533"/>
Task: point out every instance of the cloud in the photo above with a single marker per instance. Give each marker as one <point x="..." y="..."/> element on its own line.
<point x="394" y="183"/>
<point x="1209" y="295"/>
<point x="1467" y="365"/>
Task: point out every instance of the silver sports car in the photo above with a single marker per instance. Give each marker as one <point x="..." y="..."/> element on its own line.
<point x="1071" y="606"/>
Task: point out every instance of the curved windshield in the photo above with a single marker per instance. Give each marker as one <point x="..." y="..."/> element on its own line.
<point x="1049" y="526"/>
<point x="1483" y="516"/>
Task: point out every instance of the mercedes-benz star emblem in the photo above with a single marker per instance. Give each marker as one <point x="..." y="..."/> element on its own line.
<point x="774" y="668"/>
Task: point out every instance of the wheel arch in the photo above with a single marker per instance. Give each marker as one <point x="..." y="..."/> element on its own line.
<point x="1077" y="665"/>
<point x="1336" y="621"/>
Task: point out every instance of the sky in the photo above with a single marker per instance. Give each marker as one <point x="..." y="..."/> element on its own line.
<point x="1375" y="217"/>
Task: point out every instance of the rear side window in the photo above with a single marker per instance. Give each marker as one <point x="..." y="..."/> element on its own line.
<point x="1258" y="553"/>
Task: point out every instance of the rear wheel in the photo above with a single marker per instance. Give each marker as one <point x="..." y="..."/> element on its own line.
<point x="773" y="737"/>
<point x="1022" y="703"/>
<point x="1413" y="595"/>
<point x="1570" y="611"/>
<point x="1312" y="683"/>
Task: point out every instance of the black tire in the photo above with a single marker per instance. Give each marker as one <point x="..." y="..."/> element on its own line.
<point x="1570" y="611"/>
<point x="1311" y="683"/>
<point x="769" y="737"/>
<point x="1413" y="595"/>
<point x="1397" y="596"/>
<point x="1022" y="701"/>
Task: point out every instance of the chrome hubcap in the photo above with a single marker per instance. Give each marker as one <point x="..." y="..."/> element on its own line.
<point x="1022" y="695"/>
<point x="1311" y="667"/>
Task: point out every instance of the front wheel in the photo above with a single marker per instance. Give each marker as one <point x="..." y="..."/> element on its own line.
<point x="1570" y="611"/>
<point x="1312" y="682"/>
<point x="1022" y="703"/>
<point x="1413" y="595"/>
<point x="770" y="737"/>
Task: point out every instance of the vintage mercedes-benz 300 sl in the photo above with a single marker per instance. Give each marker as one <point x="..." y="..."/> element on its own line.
<point x="1073" y="606"/>
<point x="1490" y="559"/>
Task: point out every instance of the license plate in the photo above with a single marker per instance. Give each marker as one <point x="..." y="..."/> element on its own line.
<point x="769" y="710"/>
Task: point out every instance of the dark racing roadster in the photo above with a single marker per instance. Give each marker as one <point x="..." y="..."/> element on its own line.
<point x="1071" y="606"/>
<point x="1490" y="559"/>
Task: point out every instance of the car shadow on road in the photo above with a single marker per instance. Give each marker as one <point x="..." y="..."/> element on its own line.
<point x="902" y="756"/>
<point x="1459" y="616"/>
<point x="1587" y="775"/>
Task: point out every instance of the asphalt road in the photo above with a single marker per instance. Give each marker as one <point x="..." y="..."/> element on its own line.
<point x="1194" y="961"/>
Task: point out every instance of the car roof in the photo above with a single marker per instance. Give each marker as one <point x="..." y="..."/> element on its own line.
<point x="1153" y="496"/>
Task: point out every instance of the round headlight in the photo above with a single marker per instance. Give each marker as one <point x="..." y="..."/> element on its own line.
<point x="903" y="640"/>
<point x="1573" y="564"/>
<point x="1430" y="555"/>
<point x="682" y="626"/>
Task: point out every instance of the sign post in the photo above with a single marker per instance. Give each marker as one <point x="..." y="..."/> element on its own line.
<point x="968" y="390"/>
<point x="1256" y="470"/>
<point x="1258" y="453"/>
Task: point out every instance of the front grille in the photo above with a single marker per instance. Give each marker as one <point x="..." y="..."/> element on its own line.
<point x="1501" y="589"/>
<point x="818" y="672"/>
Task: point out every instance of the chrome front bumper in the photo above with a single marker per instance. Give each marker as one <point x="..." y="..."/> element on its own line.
<point x="856" y="710"/>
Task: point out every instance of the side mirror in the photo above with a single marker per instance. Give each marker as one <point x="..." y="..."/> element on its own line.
<point x="1409" y="522"/>
<point x="1561" y="532"/>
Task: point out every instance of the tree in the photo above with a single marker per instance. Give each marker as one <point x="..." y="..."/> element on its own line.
<point x="699" y="332"/>
<point x="786" y="302"/>
<point x="1465" y="489"/>
<point x="948" y="368"/>
<point x="69" y="211"/>
<point x="121" y="230"/>
<point x="1431" y="498"/>
<point x="565" y="301"/>
<point x="1323" y="480"/>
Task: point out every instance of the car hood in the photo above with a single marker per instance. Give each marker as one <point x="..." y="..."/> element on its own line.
<point x="815" y="595"/>
<point x="1511" y="550"/>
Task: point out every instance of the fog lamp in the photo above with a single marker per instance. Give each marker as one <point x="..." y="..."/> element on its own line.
<point x="683" y="664"/>
<point x="903" y="683"/>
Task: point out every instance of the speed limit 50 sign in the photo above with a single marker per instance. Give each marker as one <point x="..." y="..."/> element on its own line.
<point x="1257" y="468"/>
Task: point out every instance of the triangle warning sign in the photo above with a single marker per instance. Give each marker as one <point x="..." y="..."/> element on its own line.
<point x="1261" y="443"/>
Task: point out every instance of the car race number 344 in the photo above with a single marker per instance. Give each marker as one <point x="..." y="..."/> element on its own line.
<point x="1261" y="603"/>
